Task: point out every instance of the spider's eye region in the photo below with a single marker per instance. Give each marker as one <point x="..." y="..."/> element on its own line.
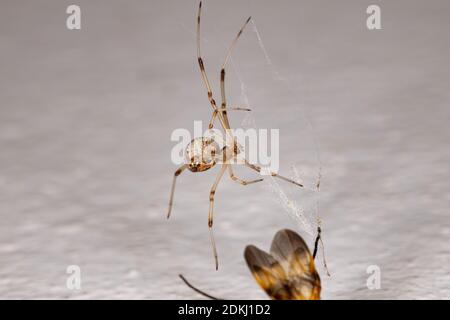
<point x="201" y="154"/>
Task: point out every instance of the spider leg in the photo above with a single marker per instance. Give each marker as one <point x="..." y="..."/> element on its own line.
<point x="215" y="112"/>
<point x="222" y="73"/>
<point x="203" y="71"/>
<point x="241" y="181"/>
<point x="176" y="174"/>
<point x="273" y="174"/>
<point x="211" y="212"/>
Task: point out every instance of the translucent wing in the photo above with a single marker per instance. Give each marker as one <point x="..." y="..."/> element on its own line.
<point x="268" y="273"/>
<point x="288" y="273"/>
<point x="294" y="256"/>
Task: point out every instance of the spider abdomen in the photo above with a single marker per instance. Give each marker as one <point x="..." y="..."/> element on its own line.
<point x="201" y="154"/>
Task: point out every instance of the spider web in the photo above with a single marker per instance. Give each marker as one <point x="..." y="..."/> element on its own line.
<point x="301" y="205"/>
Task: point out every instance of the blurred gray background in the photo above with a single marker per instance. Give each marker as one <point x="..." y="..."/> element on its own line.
<point x="85" y="124"/>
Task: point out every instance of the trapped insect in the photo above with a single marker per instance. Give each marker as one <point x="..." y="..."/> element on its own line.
<point x="204" y="153"/>
<point x="288" y="272"/>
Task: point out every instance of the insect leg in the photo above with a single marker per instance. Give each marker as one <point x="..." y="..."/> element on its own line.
<point x="196" y="289"/>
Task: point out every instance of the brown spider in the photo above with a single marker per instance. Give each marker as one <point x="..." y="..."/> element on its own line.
<point x="203" y="153"/>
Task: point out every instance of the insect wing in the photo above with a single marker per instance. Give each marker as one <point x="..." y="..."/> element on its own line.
<point x="268" y="273"/>
<point x="292" y="253"/>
